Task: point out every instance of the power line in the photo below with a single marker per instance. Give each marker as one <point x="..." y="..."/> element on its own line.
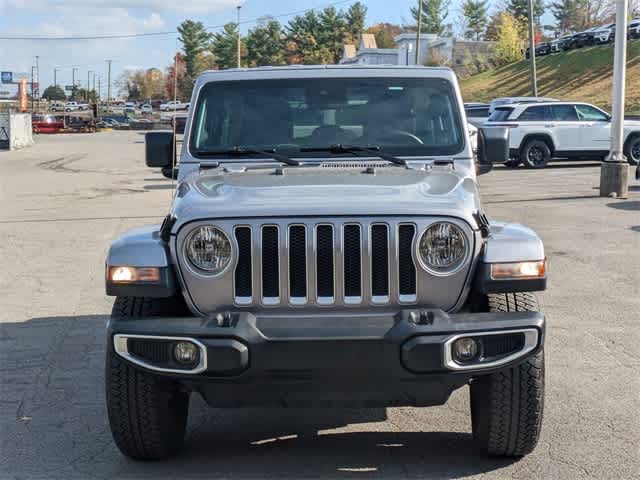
<point x="159" y="34"/>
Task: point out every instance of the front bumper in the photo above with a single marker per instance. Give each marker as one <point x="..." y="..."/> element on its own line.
<point x="347" y="359"/>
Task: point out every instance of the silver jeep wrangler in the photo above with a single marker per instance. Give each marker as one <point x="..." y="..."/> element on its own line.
<point x="326" y="246"/>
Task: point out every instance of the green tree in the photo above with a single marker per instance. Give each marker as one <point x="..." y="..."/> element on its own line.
<point x="566" y="14"/>
<point x="332" y="32"/>
<point x="434" y="14"/>
<point x="54" y="92"/>
<point x="225" y="47"/>
<point x="385" y="34"/>
<point x="355" y="19"/>
<point x="303" y="41"/>
<point x="265" y="44"/>
<point x="520" y="9"/>
<point x="510" y="32"/>
<point x="475" y="14"/>
<point x="194" y="38"/>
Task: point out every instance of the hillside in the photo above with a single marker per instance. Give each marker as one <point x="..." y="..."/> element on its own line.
<point x="580" y="75"/>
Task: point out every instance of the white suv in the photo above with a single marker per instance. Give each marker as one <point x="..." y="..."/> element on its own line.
<point x="542" y="131"/>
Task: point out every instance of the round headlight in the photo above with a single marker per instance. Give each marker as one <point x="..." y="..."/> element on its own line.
<point x="208" y="249"/>
<point x="443" y="248"/>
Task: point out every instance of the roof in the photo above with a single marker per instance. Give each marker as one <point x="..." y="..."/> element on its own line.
<point x="524" y="105"/>
<point x="349" y="51"/>
<point x="368" y="40"/>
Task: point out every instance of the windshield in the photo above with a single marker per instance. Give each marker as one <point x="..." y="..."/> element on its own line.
<point x="399" y="115"/>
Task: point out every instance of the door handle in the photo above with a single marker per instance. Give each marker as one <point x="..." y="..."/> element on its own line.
<point x="550" y="125"/>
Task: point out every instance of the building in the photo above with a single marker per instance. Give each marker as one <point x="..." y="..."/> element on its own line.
<point x="434" y="50"/>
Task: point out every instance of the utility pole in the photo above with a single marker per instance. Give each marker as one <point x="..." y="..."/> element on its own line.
<point x="55" y="77"/>
<point x="73" y="83"/>
<point x="239" y="40"/>
<point x="109" y="85"/>
<point x="419" y="33"/>
<point x="33" y="81"/>
<point x="532" y="52"/>
<point x="614" y="172"/>
<point x="38" y="81"/>
<point x="99" y="94"/>
<point x="88" y="86"/>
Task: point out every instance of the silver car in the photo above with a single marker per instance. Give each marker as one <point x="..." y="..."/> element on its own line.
<point x="326" y="246"/>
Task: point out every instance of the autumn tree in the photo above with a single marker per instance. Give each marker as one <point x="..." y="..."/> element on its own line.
<point x="475" y="15"/>
<point x="509" y="41"/>
<point x="519" y="9"/>
<point x="434" y="14"/>
<point x="176" y="76"/>
<point x="265" y="44"/>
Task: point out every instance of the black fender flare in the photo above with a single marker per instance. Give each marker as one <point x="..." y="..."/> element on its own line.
<point x="545" y="137"/>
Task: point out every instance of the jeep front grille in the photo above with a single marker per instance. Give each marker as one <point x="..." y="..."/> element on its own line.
<point x="322" y="263"/>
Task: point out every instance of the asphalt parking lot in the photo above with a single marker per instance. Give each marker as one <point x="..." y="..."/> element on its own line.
<point x="63" y="201"/>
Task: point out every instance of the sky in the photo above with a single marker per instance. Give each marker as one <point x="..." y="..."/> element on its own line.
<point x="118" y="17"/>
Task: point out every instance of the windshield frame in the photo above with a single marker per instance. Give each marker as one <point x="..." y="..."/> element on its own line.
<point x="403" y="151"/>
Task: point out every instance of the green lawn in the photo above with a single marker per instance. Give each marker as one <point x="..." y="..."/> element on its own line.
<point x="580" y="75"/>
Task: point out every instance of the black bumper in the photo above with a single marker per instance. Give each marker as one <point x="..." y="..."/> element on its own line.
<point x="330" y="359"/>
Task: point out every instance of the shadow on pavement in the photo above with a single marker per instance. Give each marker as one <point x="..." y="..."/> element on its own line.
<point x="53" y="424"/>
<point x="625" y="205"/>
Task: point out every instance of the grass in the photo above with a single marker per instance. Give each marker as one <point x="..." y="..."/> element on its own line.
<point x="583" y="75"/>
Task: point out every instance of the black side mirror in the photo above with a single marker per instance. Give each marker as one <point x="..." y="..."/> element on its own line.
<point x="493" y="147"/>
<point x="159" y="149"/>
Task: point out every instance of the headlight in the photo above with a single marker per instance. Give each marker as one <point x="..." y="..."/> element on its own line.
<point x="443" y="248"/>
<point x="208" y="249"/>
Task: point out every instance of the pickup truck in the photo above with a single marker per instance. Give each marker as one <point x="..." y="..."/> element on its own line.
<point x="173" y="105"/>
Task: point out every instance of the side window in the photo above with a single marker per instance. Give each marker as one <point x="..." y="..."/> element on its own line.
<point x="534" y="114"/>
<point x="477" y="112"/>
<point x="564" y="113"/>
<point x="587" y="113"/>
<point x="500" y="114"/>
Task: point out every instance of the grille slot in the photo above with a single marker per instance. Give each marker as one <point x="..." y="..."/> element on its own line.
<point x="155" y="351"/>
<point x="324" y="263"/>
<point x="380" y="263"/>
<point x="352" y="264"/>
<point x="297" y="263"/>
<point x="243" y="277"/>
<point x="317" y="262"/>
<point x="270" y="264"/>
<point x="406" y="267"/>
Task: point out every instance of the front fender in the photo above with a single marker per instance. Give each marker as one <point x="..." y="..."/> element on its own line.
<point x="141" y="247"/>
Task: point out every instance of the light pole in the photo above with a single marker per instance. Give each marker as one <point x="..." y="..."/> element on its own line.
<point x="109" y="85"/>
<point x="73" y="83"/>
<point x="614" y="172"/>
<point x="419" y="32"/>
<point x="88" y="85"/>
<point x="38" y="81"/>
<point x="55" y="76"/>
<point x="532" y="52"/>
<point x="239" y="46"/>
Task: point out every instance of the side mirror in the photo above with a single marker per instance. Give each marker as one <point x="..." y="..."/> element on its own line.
<point x="159" y="149"/>
<point x="493" y="147"/>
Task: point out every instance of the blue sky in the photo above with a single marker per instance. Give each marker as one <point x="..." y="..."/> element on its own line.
<point x="98" y="17"/>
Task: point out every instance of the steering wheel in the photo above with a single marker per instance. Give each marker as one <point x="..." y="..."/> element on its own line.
<point x="390" y="134"/>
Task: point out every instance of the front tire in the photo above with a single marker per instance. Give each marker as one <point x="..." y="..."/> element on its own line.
<point x="535" y="154"/>
<point x="512" y="163"/>
<point x="507" y="406"/>
<point x="632" y="150"/>
<point x="147" y="414"/>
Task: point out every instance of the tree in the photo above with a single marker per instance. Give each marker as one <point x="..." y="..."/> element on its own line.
<point x="265" y="44"/>
<point x="355" y="19"/>
<point x="520" y="9"/>
<point x="54" y="92"/>
<point x="171" y="81"/>
<point x="385" y="34"/>
<point x="194" y="38"/>
<point x="434" y="13"/>
<point x="332" y="32"/>
<point x="475" y="15"/>
<point x="510" y="32"/>
<point x="303" y="41"/>
<point x="225" y="47"/>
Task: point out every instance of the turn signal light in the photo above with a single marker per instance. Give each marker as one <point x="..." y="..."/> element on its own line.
<point x="133" y="274"/>
<point x="518" y="270"/>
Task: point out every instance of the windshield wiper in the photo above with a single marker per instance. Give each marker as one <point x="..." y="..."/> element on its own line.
<point x="355" y="149"/>
<point x="241" y="151"/>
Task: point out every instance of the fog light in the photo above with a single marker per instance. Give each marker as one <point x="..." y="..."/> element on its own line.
<point x="464" y="350"/>
<point x="186" y="353"/>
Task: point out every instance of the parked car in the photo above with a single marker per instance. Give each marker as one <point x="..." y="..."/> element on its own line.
<point x="46" y="124"/>
<point x="130" y="107"/>
<point x="477" y="113"/>
<point x="584" y="39"/>
<point x="541" y="50"/>
<point x="544" y="131"/>
<point x="605" y="34"/>
<point x="146" y="108"/>
<point x="298" y="269"/>
<point x="57" y="107"/>
<point x="173" y="105"/>
<point x="555" y="45"/>
<point x="564" y="42"/>
<point x="634" y="28"/>
<point x="513" y="100"/>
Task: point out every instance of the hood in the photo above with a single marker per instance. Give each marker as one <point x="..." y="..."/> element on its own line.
<point x="326" y="191"/>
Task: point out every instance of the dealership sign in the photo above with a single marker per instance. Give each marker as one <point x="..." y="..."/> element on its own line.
<point x="9" y="91"/>
<point x="6" y="77"/>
